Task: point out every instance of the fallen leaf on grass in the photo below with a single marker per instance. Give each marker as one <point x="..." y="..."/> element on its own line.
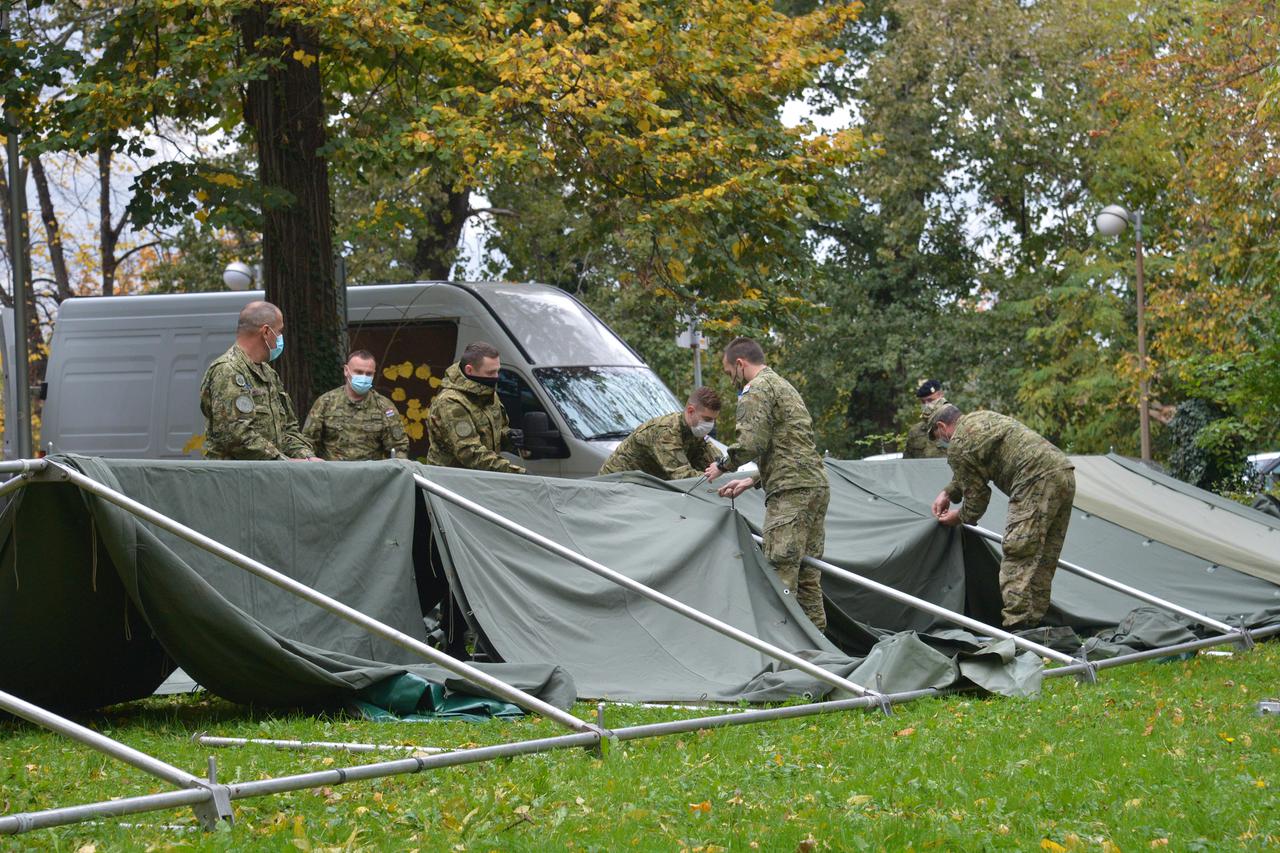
<point x="907" y="732"/>
<point x="704" y="807"/>
<point x="858" y="799"/>
<point x="1158" y="842"/>
<point x="1052" y="846"/>
<point x="807" y="845"/>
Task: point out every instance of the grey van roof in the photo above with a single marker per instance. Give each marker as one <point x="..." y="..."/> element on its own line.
<point x="551" y="327"/>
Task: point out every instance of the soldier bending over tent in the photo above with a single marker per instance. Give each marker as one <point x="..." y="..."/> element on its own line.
<point x="1041" y="484"/>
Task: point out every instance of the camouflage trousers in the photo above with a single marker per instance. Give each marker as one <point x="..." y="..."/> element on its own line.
<point x="795" y="527"/>
<point x="1033" y="537"/>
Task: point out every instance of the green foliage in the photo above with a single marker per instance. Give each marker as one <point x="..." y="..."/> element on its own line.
<point x="1154" y="756"/>
<point x="1209" y="447"/>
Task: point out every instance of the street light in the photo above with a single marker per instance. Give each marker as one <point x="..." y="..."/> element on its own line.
<point x="238" y="276"/>
<point x="1111" y="222"/>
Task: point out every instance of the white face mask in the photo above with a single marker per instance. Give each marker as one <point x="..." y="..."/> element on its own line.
<point x="703" y="428"/>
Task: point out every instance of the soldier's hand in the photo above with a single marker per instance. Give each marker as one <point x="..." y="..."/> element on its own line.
<point x="950" y="518"/>
<point x="941" y="504"/>
<point x="733" y="488"/>
<point x="713" y="471"/>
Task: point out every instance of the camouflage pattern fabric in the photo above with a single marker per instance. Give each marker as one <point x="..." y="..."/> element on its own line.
<point x="247" y="413"/>
<point x="794" y="527"/>
<point x="918" y="445"/>
<point x="664" y="447"/>
<point x="468" y="426"/>
<point x="346" y="430"/>
<point x="774" y="429"/>
<point x="1033" y="539"/>
<point x="988" y="446"/>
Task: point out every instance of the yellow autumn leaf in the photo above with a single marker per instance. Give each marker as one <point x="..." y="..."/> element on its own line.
<point x="574" y="19"/>
<point x="398" y="395"/>
<point x="704" y="807"/>
<point x="1052" y="846"/>
<point x="405" y="369"/>
<point x="423" y="371"/>
<point x="1109" y="846"/>
<point x="415" y="430"/>
<point x="196" y="442"/>
<point x="435" y="382"/>
<point x="390" y="372"/>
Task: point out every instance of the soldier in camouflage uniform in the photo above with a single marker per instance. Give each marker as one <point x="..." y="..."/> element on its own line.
<point x="467" y="424"/>
<point x="918" y="445"/>
<point x="1041" y="484"/>
<point x="774" y="429"/>
<point x="671" y="447"/>
<point x="354" y="423"/>
<point x="248" y="414"/>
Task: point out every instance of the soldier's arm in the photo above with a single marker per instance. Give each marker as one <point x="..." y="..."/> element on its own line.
<point x="295" y="445"/>
<point x="313" y="429"/>
<point x="668" y="452"/>
<point x="971" y="486"/>
<point x="235" y="428"/>
<point x="469" y="450"/>
<point x="754" y="430"/>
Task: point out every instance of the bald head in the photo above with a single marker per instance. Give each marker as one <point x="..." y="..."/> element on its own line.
<point x="255" y="315"/>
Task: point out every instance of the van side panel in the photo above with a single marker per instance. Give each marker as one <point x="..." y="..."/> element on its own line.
<point x="115" y="379"/>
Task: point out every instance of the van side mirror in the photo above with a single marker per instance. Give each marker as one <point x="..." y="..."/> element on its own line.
<point x="541" y="440"/>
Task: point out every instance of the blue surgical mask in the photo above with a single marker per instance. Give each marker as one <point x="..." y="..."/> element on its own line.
<point x="943" y="443"/>
<point x="278" y="348"/>
<point x="362" y="384"/>
<point x="703" y="428"/>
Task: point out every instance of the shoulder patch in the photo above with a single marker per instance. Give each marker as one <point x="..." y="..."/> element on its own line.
<point x="244" y="404"/>
<point x="391" y="413"/>
<point x="240" y="380"/>
<point x="464" y="429"/>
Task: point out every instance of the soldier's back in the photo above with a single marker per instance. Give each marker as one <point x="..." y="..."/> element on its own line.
<point x="1009" y="453"/>
<point x="791" y="460"/>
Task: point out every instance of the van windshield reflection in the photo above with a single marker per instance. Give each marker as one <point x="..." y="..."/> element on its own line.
<point x="606" y="402"/>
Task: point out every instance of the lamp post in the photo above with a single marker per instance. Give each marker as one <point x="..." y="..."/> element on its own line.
<point x="238" y="276"/>
<point x="1111" y="222"/>
<point x="18" y="429"/>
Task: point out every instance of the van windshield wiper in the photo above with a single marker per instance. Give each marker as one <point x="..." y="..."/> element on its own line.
<point x="617" y="433"/>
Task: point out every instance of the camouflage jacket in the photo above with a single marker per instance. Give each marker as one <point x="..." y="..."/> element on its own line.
<point x="774" y="430"/>
<point x="247" y="413"/>
<point x="992" y="447"/>
<point x="468" y="426"/>
<point x="664" y="447"/>
<point x="918" y="445"/>
<point x="347" y="430"/>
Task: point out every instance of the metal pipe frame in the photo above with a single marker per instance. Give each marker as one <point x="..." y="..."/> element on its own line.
<point x="212" y="740"/>
<point x="471" y="674"/>
<point x="1163" y="652"/>
<point x="1081" y="571"/>
<point x="670" y="603"/>
<point x="934" y="609"/>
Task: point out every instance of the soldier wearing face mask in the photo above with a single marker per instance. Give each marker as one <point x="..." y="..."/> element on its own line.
<point x="354" y="423"/>
<point x="248" y="414"/>
<point x="467" y="424"/>
<point x="671" y="447"/>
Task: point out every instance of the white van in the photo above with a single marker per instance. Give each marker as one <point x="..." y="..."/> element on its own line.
<point x="124" y="371"/>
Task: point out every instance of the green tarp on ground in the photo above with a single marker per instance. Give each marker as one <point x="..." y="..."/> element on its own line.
<point x="533" y="605"/>
<point x="97" y="607"/>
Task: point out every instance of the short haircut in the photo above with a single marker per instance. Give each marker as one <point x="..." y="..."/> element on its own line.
<point x="361" y="353"/>
<point x="256" y="315"/>
<point x="948" y="414"/>
<point x="476" y="352"/>
<point x="745" y="349"/>
<point x="705" y="398"/>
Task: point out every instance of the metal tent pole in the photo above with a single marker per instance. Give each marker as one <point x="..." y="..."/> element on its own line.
<point x="488" y="682"/>
<point x="1164" y="652"/>
<point x="635" y="586"/>
<point x="935" y="609"/>
<point x="212" y="740"/>
<point x="18" y="823"/>
<point x="1125" y="588"/>
<point x="23" y="466"/>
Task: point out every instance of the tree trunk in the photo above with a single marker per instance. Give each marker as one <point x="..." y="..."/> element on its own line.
<point x="108" y="235"/>
<point x="6" y="298"/>
<point x="57" y="256"/>
<point x="286" y="110"/>
<point x="435" y="251"/>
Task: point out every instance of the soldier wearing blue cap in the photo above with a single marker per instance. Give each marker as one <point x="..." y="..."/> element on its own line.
<point x="918" y="445"/>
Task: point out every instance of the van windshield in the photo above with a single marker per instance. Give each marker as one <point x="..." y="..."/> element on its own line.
<point x="606" y="402"/>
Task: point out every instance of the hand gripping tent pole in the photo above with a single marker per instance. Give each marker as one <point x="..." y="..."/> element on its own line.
<point x="935" y="609"/>
<point x="477" y="677"/>
<point x="635" y="586"/>
<point x="1199" y="618"/>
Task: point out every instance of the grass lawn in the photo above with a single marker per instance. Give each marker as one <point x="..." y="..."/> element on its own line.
<point x="1155" y="756"/>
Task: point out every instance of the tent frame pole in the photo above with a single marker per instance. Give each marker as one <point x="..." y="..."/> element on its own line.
<point x="1162" y="652"/>
<point x="652" y="594"/>
<point x="214" y="740"/>
<point x="1240" y="633"/>
<point x="58" y="472"/>
<point x="934" y="609"/>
